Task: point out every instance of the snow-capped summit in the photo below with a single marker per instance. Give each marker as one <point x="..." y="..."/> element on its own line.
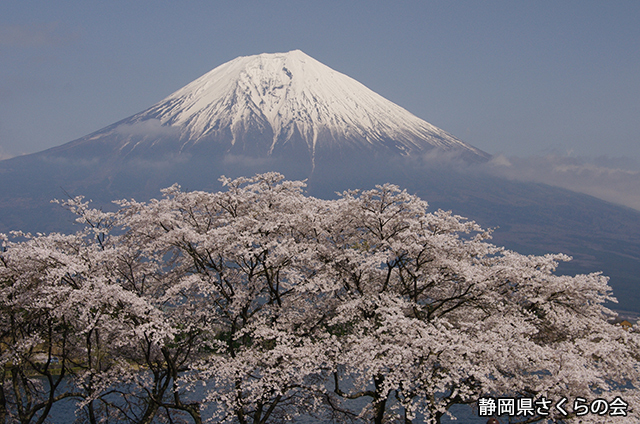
<point x="270" y="103"/>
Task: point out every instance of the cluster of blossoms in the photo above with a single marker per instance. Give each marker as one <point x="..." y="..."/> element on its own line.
<point x="259" y="304"/>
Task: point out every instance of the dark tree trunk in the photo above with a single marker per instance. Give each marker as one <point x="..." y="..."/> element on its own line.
<point x="380" y="401"/>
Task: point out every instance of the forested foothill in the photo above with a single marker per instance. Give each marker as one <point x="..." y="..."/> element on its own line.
<point x="259" y="304"/>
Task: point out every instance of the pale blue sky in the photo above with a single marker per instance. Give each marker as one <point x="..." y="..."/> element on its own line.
<point x="512" y="77"/>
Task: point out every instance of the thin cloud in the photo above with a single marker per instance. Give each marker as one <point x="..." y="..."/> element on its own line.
<point x="148" y="128"/>
<point x="4" y="155"/>
<point x="616" y="180"/>
<point x="35" y="35"/>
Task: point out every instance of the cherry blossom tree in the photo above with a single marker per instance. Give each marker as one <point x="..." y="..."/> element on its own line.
<point x="259" y="304"/>
<point x="70" y="315"/>
<point x="248" y="266"/>
<point x="437" y="316"/>
<point x="33" y="342"/>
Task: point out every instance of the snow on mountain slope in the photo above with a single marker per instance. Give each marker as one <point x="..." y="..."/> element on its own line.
<point x="289" y="94"/>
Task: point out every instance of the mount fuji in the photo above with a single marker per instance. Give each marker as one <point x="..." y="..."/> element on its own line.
<point x="283" y="105"/>
<point x="288" y="112"/>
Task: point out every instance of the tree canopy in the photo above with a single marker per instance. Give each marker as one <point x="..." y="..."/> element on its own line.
<point x="259" y="304"/>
